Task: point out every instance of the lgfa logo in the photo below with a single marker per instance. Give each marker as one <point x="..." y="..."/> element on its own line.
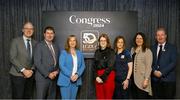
<point x="89" y="40"/>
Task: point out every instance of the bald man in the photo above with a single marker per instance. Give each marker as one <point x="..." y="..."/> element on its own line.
<point x="21" y="72"/>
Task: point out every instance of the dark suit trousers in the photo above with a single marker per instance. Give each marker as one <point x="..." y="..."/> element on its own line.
<point x="164" y="90"/>
<point x="46" y="89"/>
<point x="22" y="88"/>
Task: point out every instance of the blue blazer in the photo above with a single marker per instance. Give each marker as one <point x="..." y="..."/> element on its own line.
<point x="167" y="63"/>
<point x="66" y="67"/>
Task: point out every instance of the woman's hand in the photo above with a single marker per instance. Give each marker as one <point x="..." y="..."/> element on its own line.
<point x="125" y="84"/>
<point x="99" y="80"/>
<point x="145" y="83"/>
<point x="74" y="78"/>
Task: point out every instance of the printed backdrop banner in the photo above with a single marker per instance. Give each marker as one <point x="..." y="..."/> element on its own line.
<point x="89" y="25"/>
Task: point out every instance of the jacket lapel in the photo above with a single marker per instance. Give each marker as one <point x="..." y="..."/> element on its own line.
<point x="78" y="58"/>
<point x="23" y="47"/>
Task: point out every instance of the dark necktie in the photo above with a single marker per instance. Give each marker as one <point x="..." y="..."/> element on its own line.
<point x="159" y="54"/>
<point x="28" y="47"/>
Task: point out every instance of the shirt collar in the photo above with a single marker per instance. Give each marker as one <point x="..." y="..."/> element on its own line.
<point x="162" y="44"/>
<point x="48" y="43"/>
<point x="25" y="38"/>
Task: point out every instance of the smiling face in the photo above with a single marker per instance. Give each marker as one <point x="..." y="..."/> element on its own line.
<point x="72" y="42"/>
<point x="103" y="42"/>
<point x="120" y="43"/>
<point x="161" y="36"/>
<point x="28" y="30"/>
<point x="49" y="35"/>
<point x="139" y="40"/>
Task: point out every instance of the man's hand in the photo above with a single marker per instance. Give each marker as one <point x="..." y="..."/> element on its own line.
<point x="51" y="75"/>
<point x="158" y="74"/>
<point x="27" y="73"/>
<point x="55" y="73"/>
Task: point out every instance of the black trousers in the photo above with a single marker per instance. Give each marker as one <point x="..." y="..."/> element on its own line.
<point x="164" y="90"/>
<point x="119" y="92"/>
<point x="22" y="88"/>
<point x="138" y="93"/>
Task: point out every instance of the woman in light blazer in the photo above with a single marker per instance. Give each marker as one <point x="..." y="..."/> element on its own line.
<point x="142" y="58"/>
<point x="72" y="66"/>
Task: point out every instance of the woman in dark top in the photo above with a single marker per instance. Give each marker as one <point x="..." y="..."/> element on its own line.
<point x="104" y="61"/>
<point x="123" y="69"/>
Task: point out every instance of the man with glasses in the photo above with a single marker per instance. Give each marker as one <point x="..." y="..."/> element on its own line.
<point x="21" y="72"/>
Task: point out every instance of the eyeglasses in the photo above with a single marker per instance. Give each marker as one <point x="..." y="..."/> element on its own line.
<point x="29" y="28"/>
<point x="102" y="41"/>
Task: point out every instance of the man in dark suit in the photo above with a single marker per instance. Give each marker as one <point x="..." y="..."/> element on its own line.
<point x="21" y="72"/>
<point x="163" y="67"/>
<point x="45" y="59"/>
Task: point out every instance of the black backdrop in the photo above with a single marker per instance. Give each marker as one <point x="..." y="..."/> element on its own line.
<point x="120" y="23"/>
<point x="151" y="13"/>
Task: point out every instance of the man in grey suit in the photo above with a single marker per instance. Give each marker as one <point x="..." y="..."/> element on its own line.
<point x="45" y="59"/>
<point x="21" y="72"/>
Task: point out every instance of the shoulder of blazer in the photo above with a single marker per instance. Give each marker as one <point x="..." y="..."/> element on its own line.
<point x="147" y="49"/>
<point x="63" y="52"/>
<point x="169" y="45"/>
<point x="40" y="43"/>
<point x="78" y="51"/>
<point x="34" y="42"/>
<point x="132" y="50"/>
<point x="18" y="39"/>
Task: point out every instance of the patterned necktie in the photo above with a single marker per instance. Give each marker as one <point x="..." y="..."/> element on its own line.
<point x="53" y="53"/>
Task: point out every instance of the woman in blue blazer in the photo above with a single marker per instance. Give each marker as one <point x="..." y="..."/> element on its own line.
<point x="72" y="66"/>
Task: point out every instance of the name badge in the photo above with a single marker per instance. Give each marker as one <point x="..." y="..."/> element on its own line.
<point x="163" y="50"/>
<point x="122" y="56"/>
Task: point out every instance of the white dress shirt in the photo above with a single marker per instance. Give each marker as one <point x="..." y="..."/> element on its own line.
<point x="158" y="48"/>
<point x="75" y="64"/>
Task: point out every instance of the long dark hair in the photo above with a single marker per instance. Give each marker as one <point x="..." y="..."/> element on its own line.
<point x="144" y="45"/>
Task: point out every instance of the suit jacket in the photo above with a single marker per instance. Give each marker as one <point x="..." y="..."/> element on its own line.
<point x="66" y="67"/>
<point x="19" y="57"/>
<point x="142" y="68"/>
<point x="44" y="61"/>
<point x="167" y="62"/>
